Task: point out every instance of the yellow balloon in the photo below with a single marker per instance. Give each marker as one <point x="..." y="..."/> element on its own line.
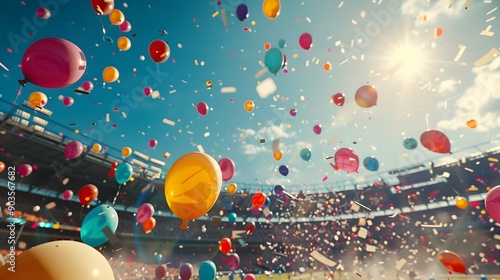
<point x="116" y="17"/>
<point x="278" y="155"/>
<point x="38" y="99"/>
<point x="126" y="151"/>
<point x="461" y="202"/>
<point x="192" y="186"/>
<point x="231" y="189"/>
<point x="124" y="43"/>
<point x="59" y="260"/>
<point x="249" y="105"/>
<point x="96" y="148"/>
<point x="271" y="8"/>
<point x="110" y="74"/>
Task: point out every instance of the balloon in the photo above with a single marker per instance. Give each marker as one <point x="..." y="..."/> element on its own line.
<point x="305" y="41"/>
<point x="103" y="7"/>
<point x="452" y="261"/>
<point x="283" y="169"/>
<point x="52" y="63"/>
<point x="87" y="194"/>
<point x="161" y="271"/>
<point x="147" y="91"/>
<point x="242" y="12"/>
<point x="186" y="271"/>
<point x="249" y="105"/>
<point x="59" y="260"/>
<point x="267" y="202"/>
<point x="231" y="217"/>
<point x="144" y="212"/>
<point x="36" y="208"/>
<point x="273" y="60"/>
<point x="472" y="123"/>
<point x="149" y="225"/>
<point x="225" y="245"/>
<point x="116" y="17"/>
<point x="271" y="8"/>
<point x="366" y="96"/>
<point x="461" y="202"/>
<point x="410" y="143"/>
<point x="249" y="276"/>
<point x="110" y="74"/>
<point x="43" y="13"/>
<point x="123" y="173"/>
<point x="95" y="222"/>
<point x="2" y="166"/>
<point x="152" y="143"/>
<point x="492" y="203"/>
<point x="207" y="270"/>
<point x="38" y="99"/>
<point x="250" y="227"/>
<point x="281" y="43"/>
<point x="293" y="112"/>
<point x="233" y="261"/>
<point x="96" y="148"/>
<point x="192" y="186"/>
<point x="67" y="194"/>
<point x="371" y="163"/>
<point x="227" y="168"/>
<point x="127" y="151"/>
<point x="159" y="257"/>
<point x="435" y="141"/>
<point x="111" y="173"/>
<point x="68" y="101"/>
<point x="278" y="155"/>
<point x="124" y="43"/>
<point x="202" y="108"/>
<point x="73" y="150"/>
<point x="339" y="99"/>
<point x="258" y="199"/>
<point x="305" y="154"/>
<point x="231" y="189"/>
<point x="346" y="159"/>
<point x="278" y="189"/>
<point x="24" y="170"/>
<point x="208" y="84"/>
<point x="317" y="129"/>
<point x="125" y="26"/>
<point x="159" y="51"/>
<point x="114" y="164"/>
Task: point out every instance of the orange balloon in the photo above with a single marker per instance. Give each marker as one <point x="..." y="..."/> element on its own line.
<point x="116" y="17"/>
<point x="438" y="32"/>
<point x="461" y="202"/>
<point x="38" y="99"/>
<point x="267" y="46"/>
<point x="149" y="225"/>
<point x="127" y="151"/>
<point x="110" y="74"/>
<point x="258" y="199"/>
<point x="249" y="105"/>
<point x="231" y="189"/>
<point x="278" y="155"/>
<point x="472" y="123"/>
<point x="327" y="66"/>
<point x="452" y="261"/>
<point x="124" y="43"/>
<point x="2" y="166"/>
<point x="271" y="8"/>
<point x="96" y="148"/>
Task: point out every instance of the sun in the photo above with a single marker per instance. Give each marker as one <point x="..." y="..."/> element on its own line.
<point x="406" y="60"/>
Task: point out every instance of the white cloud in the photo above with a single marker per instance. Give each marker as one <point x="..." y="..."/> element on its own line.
<point x="250" y="149"/>
<point x="479" y="102"/>
<point x="447" y="86"/>
<point x="432" y="11"/>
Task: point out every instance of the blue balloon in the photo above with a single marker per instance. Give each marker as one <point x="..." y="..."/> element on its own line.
<point x="93" y="224"/>
<point x="305" y="154"/>
<point x="267" y="202"/>
<point x="281" y="43"/>
<point x="231" y="217"/>
<point x="371" y="163"/>
<point x="410" y="143"/>
<point x="123" y="173"/>
<point x="207" y="270"/>
<point x="273" y="60"/>
<point x="283" y="170"/>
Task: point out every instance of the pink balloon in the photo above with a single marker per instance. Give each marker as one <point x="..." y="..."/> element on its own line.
<point x="144" y="212"/>
<point x="68" y="101"/>
<point x="492" y="203"/>
<point x="53" y="63"/>
<point x="43" y="13"/>
<point x="67" y="194"/>
<point x="125" y="26"/>
<point x="147" y="91"/>
<point x="255" y="210"/>
<point x="153" y="143"/>
<point x="249" y="276"/>
<point x="346" y="159"/>
<point x="305" y="41"/>
<point x="366" y="96"/>
<point x="435" y="141"/>
<point x="186" y="271"/>
<point x="73" y="150"/>
<point x="233" y="261"/>
<point x="88" y="86"/>
<point x="317" y="129"/>
<point x="227" y="168"/>
<point x="202" y="108"/>
<point x="293" y="112"/>
<point x="24" y="170"/>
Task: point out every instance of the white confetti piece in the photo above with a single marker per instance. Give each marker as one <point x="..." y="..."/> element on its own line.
<point x="124" y="115"/>
<point x="322" y="259"/>
<point x="50" y="205"/>
<point x="362" y="233"/>
<point x="155" y="94"/>
<point x="206" y="134"/>
<point x="107" y="117"/>
<point x="371" y="248"/>
<point x="169" y="122"/>
<point x="491" y="11"/>
<point x="228" y="90"/>
<point x="400" y="264"/>
<point x="459" y="54"/>
<point x="308" y="19"/>
<point x="4" y="67"/>
<point x="200" y="148"/>
<point x="266" y="88"/>
<point x="487" y="32"/>
<point x="261" y="72"/>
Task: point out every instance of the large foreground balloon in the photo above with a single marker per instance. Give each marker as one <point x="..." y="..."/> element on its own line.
<point x="95" y="222"/>
<point x="207" y="270"/>
<point x="366" y="96"/>
<point x="271" y="8"/>
<point x="103" y="7"/>
<point x="452" y="261"/>
<point x="435" y="141"/>
<point x="59" y="260"/>
<point x="159" y="51"/>
<point x="227" y="168"/>
<point x="192" y="186"/>
<point x="346" y="159"/>
<point x="53" y="63"/>
<point x="492" y="203"/>
<point x="273" y="60"/>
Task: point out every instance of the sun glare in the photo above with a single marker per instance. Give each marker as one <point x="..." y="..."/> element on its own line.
<point x="406" y="60"/>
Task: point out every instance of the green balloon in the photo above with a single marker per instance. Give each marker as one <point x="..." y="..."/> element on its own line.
<point x="273" y="60"/>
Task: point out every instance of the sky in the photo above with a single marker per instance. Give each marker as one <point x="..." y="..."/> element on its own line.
<point x="440" y="85"/>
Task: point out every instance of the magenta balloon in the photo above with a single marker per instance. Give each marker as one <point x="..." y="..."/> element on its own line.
<point x="186" y="271"/>
<point x="202" y="108"/>
<point x="53" y="63"/>
<point x="233" y="261"/>
<point x="125" y="26"/>
<point x="249" y="276"/>
<point x="43" y="13"/>
<point x="68" y="101"/>
<point x="305" y="41"/>
<point x="144" y="212"/>
<point x="67" y="194"/>
<point x="153" y="143"/>
<point x="346" y="159"/>
<point x="147" y="91"/>
<point x="227" y="168"/>
<point x="73" y="150"/>
<point x="161" y="272"/>
<point x="24" y="170"/>
<point x="88" y="86"/>
<point x="317" y="129"/>
<point x="492" y="203"/>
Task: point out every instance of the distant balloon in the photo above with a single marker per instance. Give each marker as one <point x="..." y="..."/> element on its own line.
<point x="125" y="26"/>
<point x="293" y="112"/>
<point x="207" y="270"/>
<point x="73" y="150"/>
<point x="116" y="17"/>
<point x="202" y="108"/>
<point x="233" y="261"/>
<point x="149" y="225"/>
<point x="317" y="129"/>
<point x="278" y="155"/>
<point x="153" y="143"/>
<point x="492" y="203"/>
<point x="366" y="96"/>
<point x="159" y="258"/>
<point x="339" y="99"/>
<point x="24" y="170"/>
<point x="96" y="148"/>
<point x="87" y="194"/>
<point x="249" y="276"/>
<point x="161" y="270"/>
<point x="43" y="13"/>
<point x="110" y="74"/>
<point x="472" y="123"/>
<point x="452" y="261"/>
<point x="250" y="227"/>
<point x="249" y="105"/>
<point x="346" y="159"/>
<point x="410" y="143"/>
<point x="227" y="168"/>
<point x="67" y="194"/>
<point x="126" y="151"/>
<point x="435" y="141"/>
<point x="282" y="43"/>
<point x="94" y="223"/>
<point x="371" y="163"/>
<point x="231" y="217"/>
<point x="144" y="212"/>
<point x="186" y="271"/>
<point x="103" y="7"/>
<point x="271" y="8"/>
<point x="258" y="199"/>
<point x="273" y="60"/>
<point x="283" y="169"/>
<point x="305" y="154"/>
<point x="123" y="43"/>
<point x="461" y="202"/>
<point x="242" y="12"/>
<point x="2" y="166"/>
<point x="278" y="189"/>
<point x="305" y="41"/>
<point x="87" y="85"/>
<point x="225" y="245"/>
<point x="147" y="91"/>
<point x="159" y="51"/>
<point x="123" y="173"/>
<point x="231" y="189"/>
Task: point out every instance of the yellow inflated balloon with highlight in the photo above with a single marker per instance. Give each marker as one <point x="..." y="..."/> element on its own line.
<point x="38" y="99"/>
<point x="116" y="17"/>
<point x="192" y="186"/>
<point x="124" y="43"/>
<point x="461" y="202"/>
<point x="96" y="148"/>
<point x="127" y="151"/>
<point x="231" y="189"/>
<point x="271" y="8"/>
<point x="110" y="74"/>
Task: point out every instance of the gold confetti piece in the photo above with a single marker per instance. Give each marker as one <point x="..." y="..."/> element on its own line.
<point x="224" y="19"/>
<point x="487" y="32"/>
<point x="493" y="159"/>
<point x="215" y="14"/>
<point x="487" y="57"/>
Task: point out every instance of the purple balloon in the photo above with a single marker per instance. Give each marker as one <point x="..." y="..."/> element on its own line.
<point x="283" y="169"/>
<point x="242" y="12"/>
<point x="293" y="112"/>
<point x="144" y="212"/>
<point x="278" y="189"/>
<point x="73" y="150"/>
<point x="233" y="261"/>
<point x="227" y="168"/>
<point x="186" y="271"/>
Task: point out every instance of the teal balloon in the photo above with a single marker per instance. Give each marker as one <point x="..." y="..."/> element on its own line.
<point x="281" y="43"/>
<point x="371" y="163"/>
<point x="273" y="60"/>
<point x="231" y="217"/>
<point x="410" y="143"/>
<point x="207" y="270"/>
<point x="123" y="173"/>
<point x="305" y="154"/>
<point x="159" y="258"/>
<point x="93" y="224"/>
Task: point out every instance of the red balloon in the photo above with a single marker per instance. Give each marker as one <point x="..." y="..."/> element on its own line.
<point x="452" y="261"/>
<point x="225" y="245"/>
<point x="346" y="159"/>
<point x="87" y="194"/>
<point x="435" y="141"/>
<point x="111" y="173"/>
<point x="250" y="227"/>
<point x="159" y="51"/>
<point x="259" y="199"/>
<point x="53" y="63"/>
<point x="227" y="168"/>
<point x="339" y="99"/>
<point x="202" y="108"/>
<point x="366" y="96"/>
<point x="149" y="225"/>
<point x="161" y="271"/>
<point x="103" y="7"/>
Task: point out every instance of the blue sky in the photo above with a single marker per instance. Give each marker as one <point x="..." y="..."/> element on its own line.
<point x="363" y="40"/>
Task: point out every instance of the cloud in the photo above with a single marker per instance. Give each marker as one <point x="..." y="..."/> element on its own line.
<point x="447" y="86"/>
<point x="479" y="102"/>
<point x="432" y="11"/>
<point x="250" y="149"/>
